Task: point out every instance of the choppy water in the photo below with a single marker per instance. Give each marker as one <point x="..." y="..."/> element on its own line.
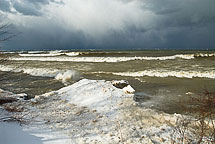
<point x="161" y="78"/>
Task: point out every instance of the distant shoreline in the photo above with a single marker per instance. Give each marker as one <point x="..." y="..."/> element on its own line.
<point x="108" y="50"/>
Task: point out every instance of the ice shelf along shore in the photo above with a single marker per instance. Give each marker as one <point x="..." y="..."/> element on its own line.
<point x="91" y="111"/>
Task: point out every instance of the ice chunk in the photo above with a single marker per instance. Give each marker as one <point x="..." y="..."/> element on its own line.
<point x="128" y="89"/>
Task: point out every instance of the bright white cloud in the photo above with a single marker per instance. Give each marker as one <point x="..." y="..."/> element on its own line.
<point x="93" y="17"/>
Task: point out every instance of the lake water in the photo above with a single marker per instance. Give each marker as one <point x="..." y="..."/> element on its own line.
<point x="162" y="79"/>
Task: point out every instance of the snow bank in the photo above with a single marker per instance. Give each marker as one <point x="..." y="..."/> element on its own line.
<point x="96" y="111"/>
<point x="95" y="94"/>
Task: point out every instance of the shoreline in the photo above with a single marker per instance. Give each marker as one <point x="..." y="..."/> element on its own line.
<point x="118" y="119"/>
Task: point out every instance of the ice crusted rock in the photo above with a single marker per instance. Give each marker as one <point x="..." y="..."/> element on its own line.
<point x="128" y="89"/>
<point x="120" y="83"/>
<point x="8" y="97"/>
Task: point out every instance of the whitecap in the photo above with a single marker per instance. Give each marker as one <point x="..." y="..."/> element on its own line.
<point x="63" y="75"/>
<point x="40" y="57"/>
<point x="72" y="53"/>
<point x="169" y="73"/>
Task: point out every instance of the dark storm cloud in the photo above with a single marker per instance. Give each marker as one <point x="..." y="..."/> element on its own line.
<point x="4" y="5"/>
<point x="38" y="1"/>
<point x="59" y="24"/>
<point x="27" y="8"/>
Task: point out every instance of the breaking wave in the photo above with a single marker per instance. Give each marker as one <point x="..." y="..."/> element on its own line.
<point x="204" y="55"/>
<point x="166" y="73"/>
<point x="72" y="53"/>
<point x="35" y="52"/>
<point x="50" y="54"/>
<point x="178" y="74"/>
<point x="40" y="55"/>
<point x="6" y="52"/>
<point x="63" y="75"/>
<point x="37" y="57"/>
<point x="87" y="57"/>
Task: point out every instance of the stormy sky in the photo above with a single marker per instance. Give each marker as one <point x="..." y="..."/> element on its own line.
<point x="109" y="24"/>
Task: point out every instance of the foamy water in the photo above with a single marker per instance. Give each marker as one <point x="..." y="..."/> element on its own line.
<point x="63" y="75"/>
<point x="89" y="104"/>
<point x="70" y="57"/>
<point x="166" y="73"/>
<point x="39" y="57"/>
<point x="38" y="54"/>
<point x="179" y="65"/>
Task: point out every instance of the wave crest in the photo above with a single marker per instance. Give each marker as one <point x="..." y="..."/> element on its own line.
<point x="70" y="56"/>
<point x="50" y="54"/>
<point x="40" y="55"/>
<point x="97" y="59"/>
<point x="63" y="75"/>
<point x="165" y="73"/>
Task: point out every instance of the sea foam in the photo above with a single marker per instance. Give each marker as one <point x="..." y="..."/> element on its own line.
<point x="28" y="57"/>
<point x="40" y="55"/>
<point x="69" y="56"/>
<point x="169" y="73"/>
<point x="63" y="75"/>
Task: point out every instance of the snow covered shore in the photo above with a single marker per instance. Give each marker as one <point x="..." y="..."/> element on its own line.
<point x="94" y="111"/>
